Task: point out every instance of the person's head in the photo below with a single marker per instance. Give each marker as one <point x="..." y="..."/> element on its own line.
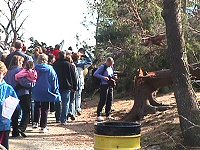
<point x="82" y="51"/>
<point x="69" y="58"/>
<point x="18" y="45"/>
<point x="4" y="55"/>
<point x="75" y="57"/>
<point x="16" y="61"/>
<point x="62" y="55"/>
<point x="57" y="46"/>
<point x="24" y="49"/>
<point x="12" y="49"/>
<point x="51" y="59"/>
<point x="42" y="59"/>
<point x="29" y="65"/>
<point x="3" y="58"/>
<point x="51" y="48"/>
<point x="3" y="70"/>
<point x="44" y="50"/>
<point x="38" y="50"/>
<point x="109" y="61"/>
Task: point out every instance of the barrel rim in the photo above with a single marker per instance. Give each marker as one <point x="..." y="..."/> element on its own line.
<point x="113" y="136"/>
<point x="102" y="124"/>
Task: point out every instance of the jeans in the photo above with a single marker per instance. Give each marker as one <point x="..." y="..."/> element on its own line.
<point x="65" y="97"/>
<point x="72" y="104"/>
<point x="106" y="98"/>
<point x="4" y="135"/>
<point x="41" y="114"/>
<point x="25" y="102"/>
<point x="78" y="100"/>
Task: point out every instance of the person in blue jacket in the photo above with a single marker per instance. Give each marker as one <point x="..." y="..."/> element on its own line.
<point x="5" y="91"/>
<point x="46" y="90"/>
<point x="106" y="73"/>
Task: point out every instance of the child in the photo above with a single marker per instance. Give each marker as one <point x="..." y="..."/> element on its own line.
<point x="28" y="72"/>
<point x="5" y="91"/>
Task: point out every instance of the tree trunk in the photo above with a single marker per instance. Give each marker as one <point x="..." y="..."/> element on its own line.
<point x="189" y="114"/>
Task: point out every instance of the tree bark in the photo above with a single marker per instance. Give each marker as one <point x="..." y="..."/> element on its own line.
<point x="189" y="114"/>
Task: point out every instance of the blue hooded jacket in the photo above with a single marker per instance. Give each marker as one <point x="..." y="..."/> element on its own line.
<point x="5" y="91"/>
<point x="46" y="88"/>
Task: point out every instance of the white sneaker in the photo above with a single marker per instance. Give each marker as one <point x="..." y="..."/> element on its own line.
<point x="100" y="118"/>
<point x="44" y="130"/>
<point x="64" y="123"/>
<point x="109" y="118"/>
<point x="35" y="125"/>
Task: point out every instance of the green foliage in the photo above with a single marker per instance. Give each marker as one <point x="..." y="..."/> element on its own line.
<point x="121" y="25"/>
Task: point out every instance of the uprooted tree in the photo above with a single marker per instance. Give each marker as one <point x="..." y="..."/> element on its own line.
<point x="178" y="76"/>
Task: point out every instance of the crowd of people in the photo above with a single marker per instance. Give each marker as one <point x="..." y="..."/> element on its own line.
<point x="53" y="79"/>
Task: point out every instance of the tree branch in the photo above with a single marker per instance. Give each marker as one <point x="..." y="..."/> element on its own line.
<point x="2" y="26"/>
<point x="194" y="30"/>
<point x="22" y="24"/>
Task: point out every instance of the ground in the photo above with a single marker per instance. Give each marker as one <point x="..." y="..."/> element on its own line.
<point x="160" y="131"/>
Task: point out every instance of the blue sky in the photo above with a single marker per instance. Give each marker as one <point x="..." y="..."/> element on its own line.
<point x="52" y="21"/>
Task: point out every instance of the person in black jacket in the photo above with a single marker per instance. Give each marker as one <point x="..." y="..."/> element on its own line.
<point x="67" y="83"/>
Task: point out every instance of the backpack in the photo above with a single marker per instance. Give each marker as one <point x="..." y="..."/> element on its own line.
<point x="96" y="81"/>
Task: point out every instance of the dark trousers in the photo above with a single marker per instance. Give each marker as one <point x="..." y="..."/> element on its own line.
<point x="52" y="106"/>
<point x="25" y="102"/>
<point x="106" y="98"/>
<point x="57" y="110"/>
<point x="4" y="135"/>
<point x="15" y="117"/>
<point x="41" y="113"/>
<point x="56" y="106"/>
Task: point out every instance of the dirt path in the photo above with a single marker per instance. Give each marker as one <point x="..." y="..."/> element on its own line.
<point x="159" y="130"/>
<point x="76" y="135"/>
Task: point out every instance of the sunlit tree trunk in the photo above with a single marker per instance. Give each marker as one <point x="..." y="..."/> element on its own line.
<point x="189" y="114"/>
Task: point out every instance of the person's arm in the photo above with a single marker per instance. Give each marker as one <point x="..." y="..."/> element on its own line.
<point x="21" y="74"/>
<point x="54" y="84"/>
<point x="87" y="62"/>
<point x="73" y="76"/>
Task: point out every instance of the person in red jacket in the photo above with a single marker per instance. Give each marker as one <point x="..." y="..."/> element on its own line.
<point x="56" y="51"/>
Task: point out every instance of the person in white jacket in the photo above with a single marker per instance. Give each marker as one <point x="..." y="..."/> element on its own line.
<point x="82" y="60"/>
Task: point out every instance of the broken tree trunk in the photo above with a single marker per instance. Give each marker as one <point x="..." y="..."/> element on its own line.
<point x="145" y="86"/>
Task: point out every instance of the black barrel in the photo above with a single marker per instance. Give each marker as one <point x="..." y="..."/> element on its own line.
<point x="115" y="128"/>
